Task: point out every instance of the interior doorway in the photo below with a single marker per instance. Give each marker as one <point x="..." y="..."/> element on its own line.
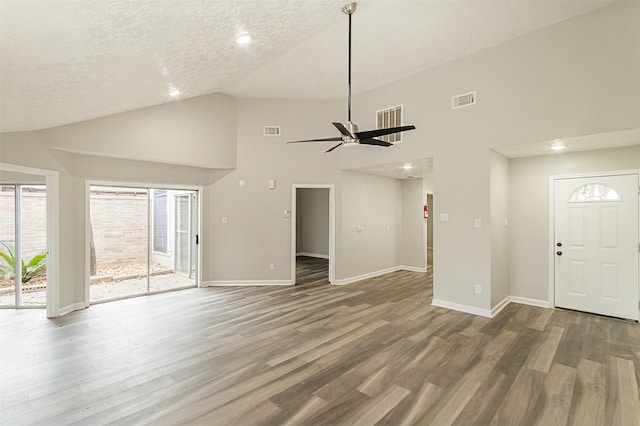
<point x="313" y="234"/>
<point x="142" y="240"/>
<point x="595" y="244"/>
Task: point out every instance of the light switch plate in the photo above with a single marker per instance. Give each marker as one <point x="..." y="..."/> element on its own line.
<point x="444" y="217"/>
<point x="477" y="223"/>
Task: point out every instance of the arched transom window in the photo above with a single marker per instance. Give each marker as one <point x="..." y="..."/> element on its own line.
<point x="591" y="192"/>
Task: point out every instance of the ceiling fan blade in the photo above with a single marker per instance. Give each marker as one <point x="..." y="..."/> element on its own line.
<point x="337" y="138"/>
<point x="331" y="149"/>
<point x="343" y="129"/>
<point x="374" y="142"/>
<point x="382" y="132"/>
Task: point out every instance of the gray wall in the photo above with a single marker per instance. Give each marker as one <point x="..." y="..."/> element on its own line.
<point x="499" y="230"/>
<point x="579" y="77"/>
<point x="20" y="178"/>
<point x="257" y="233"/>
<point x="572" y="79"/>
<point x="430" y="221"/>
<point x="198" y="132"/>
<point x="312" y="221"/>
<point x="28" y="149"/>
<point x="371" y="224"/>
<point x="529" y="206"/>
<point x="412" y="244"/>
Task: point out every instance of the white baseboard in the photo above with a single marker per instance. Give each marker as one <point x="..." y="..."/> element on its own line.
<point x="319" y="256"/>
<point x="500" y="306"/>
<point x="495" y="310"/>
<point x="250" y="283"/>
<point x="70" y="308"/>
<point x="350" y="280"/>
<point x="413" y="269"/>
<point x="462" y="308"/>
<point x="533" y="302"/>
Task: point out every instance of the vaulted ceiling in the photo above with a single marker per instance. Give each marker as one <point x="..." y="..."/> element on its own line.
<point x="63" y="61"/>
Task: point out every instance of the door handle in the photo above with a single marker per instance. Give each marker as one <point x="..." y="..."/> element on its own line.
<point x="559" y="253"/>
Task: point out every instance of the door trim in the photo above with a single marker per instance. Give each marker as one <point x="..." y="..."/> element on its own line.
<point x="332" y="227"/>
<point x="551" y="253"/>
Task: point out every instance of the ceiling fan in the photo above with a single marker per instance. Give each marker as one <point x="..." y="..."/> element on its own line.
<point x="350" y="133"/>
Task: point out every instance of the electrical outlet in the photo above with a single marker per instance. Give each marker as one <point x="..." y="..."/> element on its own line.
<point x="478" y="288"/>
<point x="224" y="219"/>
<point x="272" y="266"/>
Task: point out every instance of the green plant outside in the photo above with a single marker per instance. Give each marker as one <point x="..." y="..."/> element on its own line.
<point x="35" y="267"/>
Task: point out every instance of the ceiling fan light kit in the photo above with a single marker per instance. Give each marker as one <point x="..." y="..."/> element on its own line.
<point x="350" y="134"/>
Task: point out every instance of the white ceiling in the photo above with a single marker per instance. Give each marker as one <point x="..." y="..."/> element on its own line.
<point x="581" y="143"/>
<point x="420" y="168"/>
<point x="63" y="61"/>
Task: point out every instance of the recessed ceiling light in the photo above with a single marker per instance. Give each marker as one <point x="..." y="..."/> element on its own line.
<point x="558" y="145"/>
<point x="173" y="92"/>
<point x="407" y="166"/>
<point x="243" y="39"/>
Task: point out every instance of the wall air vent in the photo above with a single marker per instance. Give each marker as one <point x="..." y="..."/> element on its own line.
<point x="390" y="117"/>
<point x="463" y="100"/>
<point x="271" y="131"/>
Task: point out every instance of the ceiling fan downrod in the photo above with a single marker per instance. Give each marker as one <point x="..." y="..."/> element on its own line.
<point x="349" y="132"/>
<point x="349" y="10"/>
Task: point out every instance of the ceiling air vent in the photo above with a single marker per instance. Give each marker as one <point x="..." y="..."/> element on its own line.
<point x="272" y="130"/>
<point x="463" y="100"/>
<point x="390" y="117"/>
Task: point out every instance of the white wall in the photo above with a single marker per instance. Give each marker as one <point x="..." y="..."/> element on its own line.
<point x="412" y="246"/>
<point x="529" y="206"/>
<point x="499" y="229"/>
<point x="198" y="132"/>
<point x="578" y="77"/>
<point x="371" y="224"/>
<point x="21" y="178"/>
<point x="27" y="149"/>
<point x="312" y="221"/>
<point x="257" y="233"/>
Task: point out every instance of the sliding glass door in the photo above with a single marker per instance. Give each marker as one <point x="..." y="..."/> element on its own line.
<point x="174" y="251"/>
<point x="136" y="241"/>
<point x="23" y="245"/>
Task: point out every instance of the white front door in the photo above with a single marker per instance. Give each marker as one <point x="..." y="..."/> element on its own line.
<point x="596" y="245"/>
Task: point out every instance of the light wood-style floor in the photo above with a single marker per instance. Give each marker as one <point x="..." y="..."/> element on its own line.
<point x="374" y="352"/>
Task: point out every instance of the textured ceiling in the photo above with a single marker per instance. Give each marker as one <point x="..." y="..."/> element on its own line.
<point x="63" y="61"/>
<point x="619" y="139"/>
<point x="419" y="168"/>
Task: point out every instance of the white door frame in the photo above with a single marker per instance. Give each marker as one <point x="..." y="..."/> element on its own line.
<point x="552" y="252"/>
<point x="53" y="233"/>
<point x="332" y="227"/>
<point x="87" y="220"/>
<point x="189" y="195"/>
